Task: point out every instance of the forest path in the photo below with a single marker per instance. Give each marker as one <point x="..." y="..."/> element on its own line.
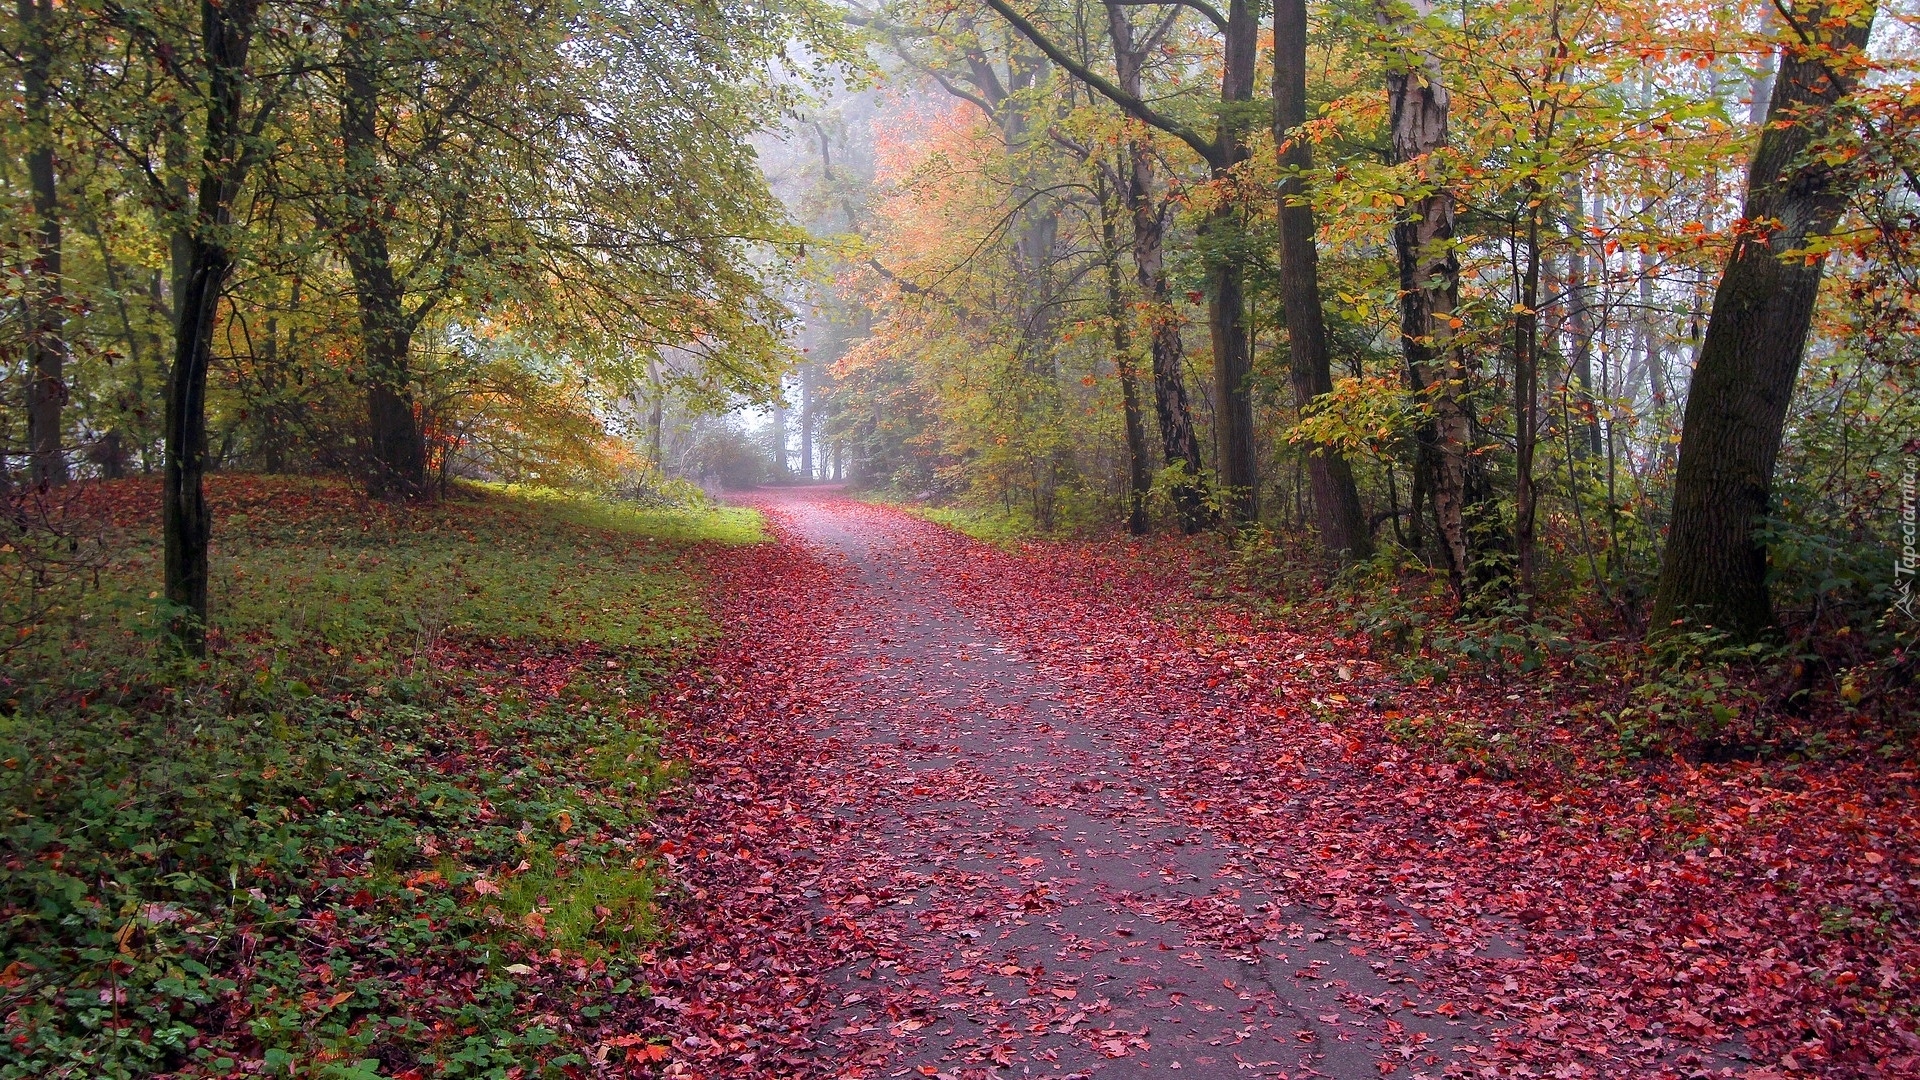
<point x="1036" y="900"/>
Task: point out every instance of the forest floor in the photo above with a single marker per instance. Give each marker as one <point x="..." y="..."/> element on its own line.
<point x="957" y="810"/>
<point x="523" y="785"/>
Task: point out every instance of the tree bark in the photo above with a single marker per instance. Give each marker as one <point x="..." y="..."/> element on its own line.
<point x="1715" y="571"/>
<point x="1342" y="520"/>
<point x="1526" y="397"/>
<point x="1139" y="475"/>
<point x="1418" y="104"/>
<point x="1178" y="442"/>
<point x="1226" y="277"/>
<point x="226" y="35"/>
<point x="46" y="340"/>
<point x="396" y="456"/>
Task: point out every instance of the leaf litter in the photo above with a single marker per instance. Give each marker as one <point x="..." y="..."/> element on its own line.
<point x="961" y="811"/>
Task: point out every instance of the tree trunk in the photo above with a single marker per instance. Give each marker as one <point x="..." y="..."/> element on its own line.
<point x="780" y="459"/>
<point x="46" y="341"/>
<point x="1342" y="520"/>
<point x="1232" y="368"/>
<point x="187" y="526"/>
<point x="1429" y="292"/>
<point x="1715" y="572"/>
<point x="1139" y="475"/>
<point x="1580" y="326"/>
<point x="806" y="424"/>
<point x="396" y="458"/>
<point x="1526" y="396"/>
<point x="656" y="413"/>
<point x="1178" y="442"/>
<point x="1226" y="277"/>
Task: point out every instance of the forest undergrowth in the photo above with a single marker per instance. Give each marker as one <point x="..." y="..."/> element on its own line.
<point x="393" y="825"/>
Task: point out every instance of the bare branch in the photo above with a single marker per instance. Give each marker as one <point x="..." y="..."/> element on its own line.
<point x="1212" y="13"/>
<point x="1133" y="106"/>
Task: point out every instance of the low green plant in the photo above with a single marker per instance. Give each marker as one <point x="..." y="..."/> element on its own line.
<point x="417" y="751"/>
<point x="1696" y="684"/>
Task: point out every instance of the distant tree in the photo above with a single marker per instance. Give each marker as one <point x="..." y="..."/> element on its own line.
<point x="1223" y="151"/>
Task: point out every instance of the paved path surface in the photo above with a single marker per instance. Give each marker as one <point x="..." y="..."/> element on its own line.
<point x="1036" y="908"/>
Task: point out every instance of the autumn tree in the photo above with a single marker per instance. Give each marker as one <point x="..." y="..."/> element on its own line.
<point x="236" y="93"/>
<point x="1223" y="151"/>
<point x="36" y="53"/>
<point x="1715" y="571"/>
<point x="1342" y="520"/>
<point x="1150" y="207"/>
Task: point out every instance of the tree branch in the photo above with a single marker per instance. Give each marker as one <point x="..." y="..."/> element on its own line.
<point x="1131" y="105"/>
<point x="1212" y="13"/>
<point x="950" y="87"/>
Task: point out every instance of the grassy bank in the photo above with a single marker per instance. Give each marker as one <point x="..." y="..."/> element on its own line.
<point x="989" y="525"/>
<point x="418" y="752"/>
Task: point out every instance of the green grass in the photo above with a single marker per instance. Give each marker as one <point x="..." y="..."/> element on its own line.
<point x="682" y="525"/>
<point x="988" y="525"/>
<point x="417" y="756"/>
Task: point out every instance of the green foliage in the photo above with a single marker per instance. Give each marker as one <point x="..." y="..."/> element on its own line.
<point x="689" y="519"/>
<point x="326" y="845"/>
<point x="1408" y="618"/>
<point x="1697" y="683"/>
<point x="1467" y="744"/>
<point x="495" y="216"/>
<point x="990" y="525"/>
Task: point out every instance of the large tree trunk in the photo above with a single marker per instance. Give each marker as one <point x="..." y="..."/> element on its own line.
<point x="396" y="457"/>
<point x="1715" y="571"/>
<point x="1429" y="292"/>
<point x="187" y="526"/>
<point x="1342" y="520"/>
<point x="1232" y="367"/>
<point x="1139" y="475"/>
<point x="1178" y="442"/>
<point x="1226" y="277"/>
<point x="46" y="335"/>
